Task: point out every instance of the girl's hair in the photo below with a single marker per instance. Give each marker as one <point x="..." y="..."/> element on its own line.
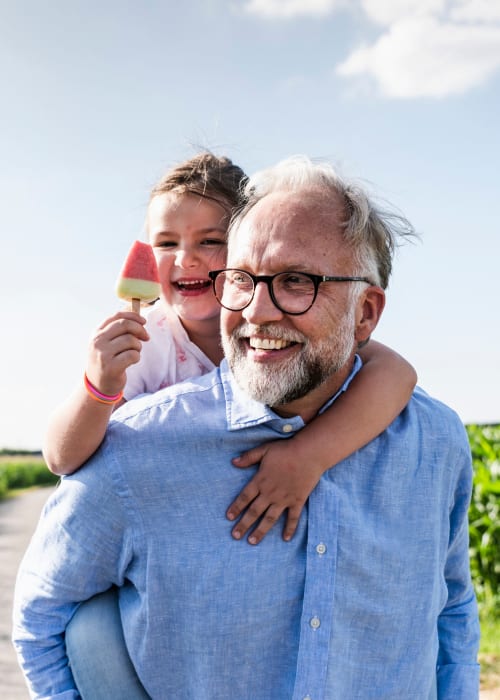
<point x="206" y="175"/>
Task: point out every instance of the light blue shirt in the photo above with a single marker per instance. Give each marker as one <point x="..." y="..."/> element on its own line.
<point x="371" y="599"/>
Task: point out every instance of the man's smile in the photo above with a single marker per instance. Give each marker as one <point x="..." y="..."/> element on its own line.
<point x="269" y="343"/>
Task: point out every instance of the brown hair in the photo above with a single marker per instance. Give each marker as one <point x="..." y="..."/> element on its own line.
<point x="207" y="175"/>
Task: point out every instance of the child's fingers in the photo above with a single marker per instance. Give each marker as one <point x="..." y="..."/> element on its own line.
<point x="107" y="364"/>
<point x="268" y="520"/>
<point x="271" y="517"/>
<point x="115" y="355"/>
<point x="120" y="327"/>
<point x="259" y="509"/>
<point x="292" y="521"/>
<point x="245" y="497"/>
<point x="122" y="344"/>
<point x="254" y="456"/>
<point x="130" y="315"/>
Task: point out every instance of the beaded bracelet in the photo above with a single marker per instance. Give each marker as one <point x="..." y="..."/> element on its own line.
<point x="98" y="396"/>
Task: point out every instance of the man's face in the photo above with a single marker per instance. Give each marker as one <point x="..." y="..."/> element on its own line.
<point x="278" y="358"/>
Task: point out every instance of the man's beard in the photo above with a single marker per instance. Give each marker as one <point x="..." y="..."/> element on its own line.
<point x="280" y="383"/>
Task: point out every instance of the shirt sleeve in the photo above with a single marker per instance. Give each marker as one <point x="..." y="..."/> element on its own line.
<point x="78" y="550"/>
<point x="458" y="623"/>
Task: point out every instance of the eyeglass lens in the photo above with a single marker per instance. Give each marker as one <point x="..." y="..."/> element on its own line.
<point x="292" y="292"/>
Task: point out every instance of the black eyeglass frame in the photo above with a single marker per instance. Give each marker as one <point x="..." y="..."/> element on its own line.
<point x="268" y="280"/>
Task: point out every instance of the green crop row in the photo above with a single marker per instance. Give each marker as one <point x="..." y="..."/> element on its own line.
<point x="19" y="473"/>
<point x="484" y="516"/>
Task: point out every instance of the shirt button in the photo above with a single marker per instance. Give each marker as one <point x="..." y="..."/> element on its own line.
<point x="315" y="622"/>
<point x="287" y="428"/>
<point x="307" y="697"/>
<point x="321" y="548"/>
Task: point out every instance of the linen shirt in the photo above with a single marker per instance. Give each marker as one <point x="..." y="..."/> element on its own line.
<point x="372" y="598"/>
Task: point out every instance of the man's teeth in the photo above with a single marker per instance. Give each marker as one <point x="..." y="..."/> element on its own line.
<point x="269" y="343"/>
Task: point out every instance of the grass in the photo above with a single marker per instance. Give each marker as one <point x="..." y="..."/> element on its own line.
<point x="489" y="656"/>
<point x="490" y="636"/>
<point x="489" y="653"/>
<point x="23" y="471"/>
<point x="21" y="458"/>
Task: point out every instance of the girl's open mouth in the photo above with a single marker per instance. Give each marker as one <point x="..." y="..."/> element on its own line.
<point x="192" y="285"/>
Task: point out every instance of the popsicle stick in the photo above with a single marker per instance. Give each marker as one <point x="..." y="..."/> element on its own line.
<point x="136" y="306"/>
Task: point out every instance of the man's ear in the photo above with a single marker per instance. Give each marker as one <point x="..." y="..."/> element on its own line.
<point x="370" y="306"/>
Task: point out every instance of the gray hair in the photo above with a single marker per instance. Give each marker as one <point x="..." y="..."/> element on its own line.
<point x="371" y="232"/>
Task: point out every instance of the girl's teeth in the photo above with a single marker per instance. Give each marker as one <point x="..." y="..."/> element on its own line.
<point x="193" y="283"/>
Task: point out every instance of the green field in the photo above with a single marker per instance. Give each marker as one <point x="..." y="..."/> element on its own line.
<point x="20" y="471"/>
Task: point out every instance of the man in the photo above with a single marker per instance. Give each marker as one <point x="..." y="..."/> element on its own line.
<point x="372" y="597"/>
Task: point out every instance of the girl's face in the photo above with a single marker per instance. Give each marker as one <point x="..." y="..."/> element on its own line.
<point x="188" y="235"/>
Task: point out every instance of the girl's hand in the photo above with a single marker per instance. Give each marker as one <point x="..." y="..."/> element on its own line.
<point x="284" y="481"/>
<point x="115" y="345"/>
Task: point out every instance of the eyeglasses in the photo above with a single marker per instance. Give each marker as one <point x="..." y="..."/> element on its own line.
<point x="291" y="292"/>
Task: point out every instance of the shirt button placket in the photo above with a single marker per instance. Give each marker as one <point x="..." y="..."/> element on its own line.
<point x="315" y="622"/>
<point x="318" y="604"/>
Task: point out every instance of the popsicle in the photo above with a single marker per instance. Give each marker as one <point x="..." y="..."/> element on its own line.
<point x="138" y="281"/>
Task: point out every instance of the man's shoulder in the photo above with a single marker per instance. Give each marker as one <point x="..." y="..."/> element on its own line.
<point x="207" y="387"/>
<point x="434" y="417"/>
<point x="152" y="428"/>
<point x="426" y="403"/>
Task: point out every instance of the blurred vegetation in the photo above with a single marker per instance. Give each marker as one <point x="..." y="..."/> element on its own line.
<point x="23" y="470"/>
<point x="484" y="517"/>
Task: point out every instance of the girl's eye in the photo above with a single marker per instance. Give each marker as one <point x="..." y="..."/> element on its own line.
<point x="213" y="241"/>
<point x="165" y="244"/>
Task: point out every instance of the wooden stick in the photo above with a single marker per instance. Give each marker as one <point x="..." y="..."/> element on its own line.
<point x="136" y="306"/>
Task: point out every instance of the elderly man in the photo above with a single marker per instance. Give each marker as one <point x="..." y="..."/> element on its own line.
<point x="372" y="598"/>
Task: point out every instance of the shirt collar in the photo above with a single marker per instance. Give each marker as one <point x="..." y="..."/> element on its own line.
<point x="243" y="411"/>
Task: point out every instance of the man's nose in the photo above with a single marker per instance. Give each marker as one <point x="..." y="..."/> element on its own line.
<point x="262" y="308"/>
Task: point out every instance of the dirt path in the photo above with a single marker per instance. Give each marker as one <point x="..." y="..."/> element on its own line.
<point x="18" y="518"/>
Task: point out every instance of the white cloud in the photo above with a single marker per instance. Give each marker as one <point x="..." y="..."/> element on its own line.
<point x="421" y="57"/>
<point x="285" y="9"/>
<point x="386" y="12"/>
<point x="476" y="10"/>
<point x="428" y="48"/>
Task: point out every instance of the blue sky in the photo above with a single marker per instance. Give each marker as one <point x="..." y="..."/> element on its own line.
<point x="99" y="98"/>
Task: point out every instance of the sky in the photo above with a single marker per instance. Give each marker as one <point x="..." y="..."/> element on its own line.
<point x="98" y="99"/>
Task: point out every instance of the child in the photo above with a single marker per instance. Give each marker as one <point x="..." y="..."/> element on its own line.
<point x="186" y="223"/>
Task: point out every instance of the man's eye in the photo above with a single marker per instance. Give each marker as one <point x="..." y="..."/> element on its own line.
<point x="165" y="244"/>
<point x="292" y="279"/>
<point x="241" y="281"/>
<point x="295" y="282"/>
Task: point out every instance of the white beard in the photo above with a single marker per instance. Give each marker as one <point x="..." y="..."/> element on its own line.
<point x="295" y="377"/>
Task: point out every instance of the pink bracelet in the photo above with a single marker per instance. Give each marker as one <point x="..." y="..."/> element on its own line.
<point x="98" y="396"/>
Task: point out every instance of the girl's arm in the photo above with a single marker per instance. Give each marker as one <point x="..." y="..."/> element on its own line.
<point x="290" y="469"/>
<point x="77" y="427"/>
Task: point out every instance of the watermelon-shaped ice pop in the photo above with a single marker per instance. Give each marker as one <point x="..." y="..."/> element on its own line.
<point x="138" y="280"/>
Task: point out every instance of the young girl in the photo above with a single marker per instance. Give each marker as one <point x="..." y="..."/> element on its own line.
<point x="186" y="223"/>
